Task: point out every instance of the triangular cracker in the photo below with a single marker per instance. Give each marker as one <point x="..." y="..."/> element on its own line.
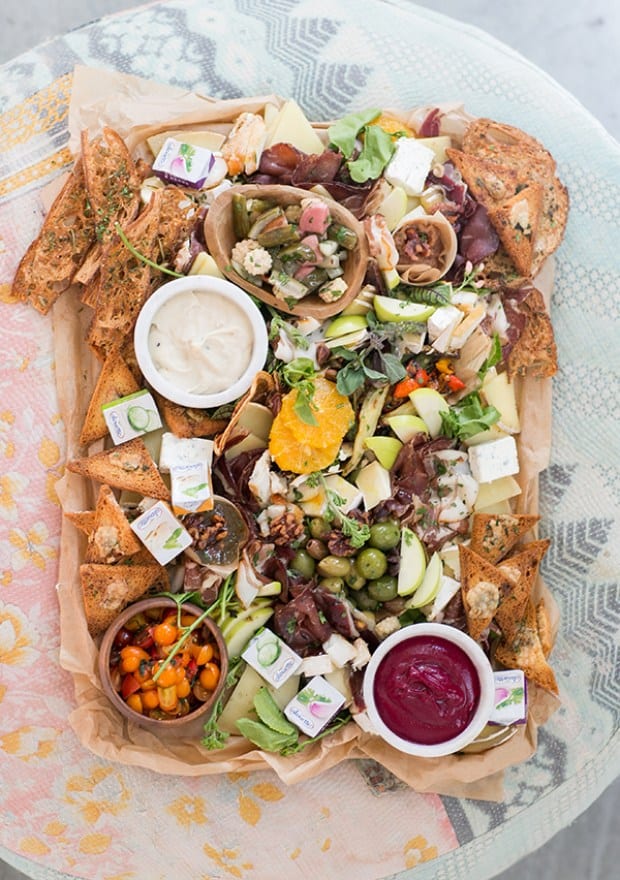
<point x="50" y="263"/>
<point x="84" y="520"/>
<point x="115" y="380"/>
<point x="524" y="651"/>
<point x="494" y="535"/>
<point x="185" y="421"/>
<point x="535" y="351"/>
<point x="516" y="222"/>
<point x="128" y="466"/>
<point x="521" y="569"/>
<point x="482" y="586"/>
<point x="489" y="182"/>
<point x="107" y="589"/>
<point x="112" y="538"/>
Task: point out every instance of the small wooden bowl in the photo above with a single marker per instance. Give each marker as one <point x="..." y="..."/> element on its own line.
<point x="203" y="711"/>
<point x="220" y="238"/>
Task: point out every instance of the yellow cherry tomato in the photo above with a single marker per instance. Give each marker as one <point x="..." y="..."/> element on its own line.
<point x="134" y="701"/>
<point x="150" y="699"/>
<point x="132" y="657"/>
<point x="165" y="633"/>
<point x="201" y="653"/>
<point x="209" y="676"/>
<point x="183" y="689"/>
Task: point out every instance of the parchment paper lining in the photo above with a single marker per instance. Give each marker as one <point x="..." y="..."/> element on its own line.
<point x="138" y="108"/>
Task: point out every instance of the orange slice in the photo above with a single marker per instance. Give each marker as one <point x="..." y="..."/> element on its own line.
<point x="332" y="411"/>
<point x="299" y="458"/>
<point x="391" y="125"/>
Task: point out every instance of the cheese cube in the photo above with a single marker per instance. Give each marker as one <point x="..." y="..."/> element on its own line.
<point x="491" y="461"/>
<point x="409" y="166"/>
<point x="374" y="482"/>
<point x="443" y="319"/>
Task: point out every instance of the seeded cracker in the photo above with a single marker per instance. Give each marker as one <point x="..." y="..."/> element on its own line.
<point x="494" y="535"/>
<point x="128" y="466"/>
<point x="107" y="589"/>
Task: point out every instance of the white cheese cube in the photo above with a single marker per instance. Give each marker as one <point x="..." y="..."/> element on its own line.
<point x="340" y="650"/>
<point x="491" y="461"/>
<point x="321" y="664"/>
<point x="409" y="166"/>
<point x="448" y="589"/>
<point x="444" y="319"/>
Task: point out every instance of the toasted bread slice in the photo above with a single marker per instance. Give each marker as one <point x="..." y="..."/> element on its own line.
<point x="112" y="538"/>
<point x="128" y="466"/>
<point x="185" y="421"/>
<point x="115" y="380"/>
<point x="112" y="182"/>
<point x="482" y="588"/>
<point x="524" y="651"/>
<point x="521" y="569"/>
<point x="490" y="183"/>
<point x="124" y="280"/>
<point x="84" y="520"/>
<point x="49" y="265"/>
<point x="516" y="222"/>
<point x="178" y="215"/>
<point x="535" y="351"/>
<point x="107" y="589"/>
<point x="144" y="557"/>
<point x="510" y="147"/>
<point x="494" y="535"/>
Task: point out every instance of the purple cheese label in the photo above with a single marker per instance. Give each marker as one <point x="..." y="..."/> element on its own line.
<point x="182" y="163"/>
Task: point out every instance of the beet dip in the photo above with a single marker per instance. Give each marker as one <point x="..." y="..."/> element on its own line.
<point x="426" y="690"/>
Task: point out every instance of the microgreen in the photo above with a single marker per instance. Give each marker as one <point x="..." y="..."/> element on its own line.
<point x="468" y="417"/>
<point x="357" y="532"/>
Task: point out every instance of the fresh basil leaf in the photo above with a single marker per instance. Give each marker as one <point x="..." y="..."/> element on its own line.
<point x="343" y="134"/>
<point x="374" y="374"/>
<point x="350" y="378"/>
<point x="393" y="368"/>
<point x="377" y="151"/>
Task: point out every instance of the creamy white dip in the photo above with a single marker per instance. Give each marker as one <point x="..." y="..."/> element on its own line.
<point x="200" y="342"/>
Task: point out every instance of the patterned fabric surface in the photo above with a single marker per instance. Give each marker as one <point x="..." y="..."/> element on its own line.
<point x="68" y="813"/>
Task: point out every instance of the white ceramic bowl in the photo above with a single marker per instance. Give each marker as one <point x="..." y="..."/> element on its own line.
<point x="485" y="702"/>
<point x="226" y="291"/>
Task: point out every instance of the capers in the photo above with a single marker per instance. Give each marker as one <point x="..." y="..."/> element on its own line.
<point x="334" y="566"/>
<point x="383" y="589"/>
<point x="319" y="528"/>
<point x="385" y="535"/>
<point x="371" y="563"/>
<point x="303" y="564"/>
<point x="332" y="584"/>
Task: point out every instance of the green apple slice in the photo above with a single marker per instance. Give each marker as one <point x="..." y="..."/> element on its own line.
<point x="405" y="426"/>
<point x="431" y="582"/>
<point x="345" y="324"/>
<point x="385" y="448"/>
<point x="412" y="563"/>
<point x="388" y="308"/>
<point x="429" y="405"/>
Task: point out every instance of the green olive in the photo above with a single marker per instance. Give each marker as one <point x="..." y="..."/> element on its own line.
<point x="332" y="584"/>
<point x="303" y="564"/>
<point x="319" y="528"/>
<point x="371" y="563"/>
<point x="364" y="600"/>
<point x="334" y="566"/>
<point x="385" y="535"/>
<point x="384" y="588"/>
<point x="354" y="580"/>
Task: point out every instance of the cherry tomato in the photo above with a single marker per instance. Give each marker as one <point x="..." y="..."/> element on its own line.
<point x="144" y="638"/>
<point x="132" y="657"/>
<point x="150" y="699"/>
<point x="168" y="699"/>
<point x="134" y="701"/>
<point x="167" y="678"/>
<point x="122" y="637"/>
<point x="129" y="686"/>
<point x="188" y="619"/>
<point x="165" y="633"/>
<point x="209" y="676"/>
<point x="183" y="689"/>
<point x="201" y="653"/>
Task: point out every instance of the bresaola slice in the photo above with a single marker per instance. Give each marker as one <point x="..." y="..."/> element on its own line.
<point x="478" y="238"/>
